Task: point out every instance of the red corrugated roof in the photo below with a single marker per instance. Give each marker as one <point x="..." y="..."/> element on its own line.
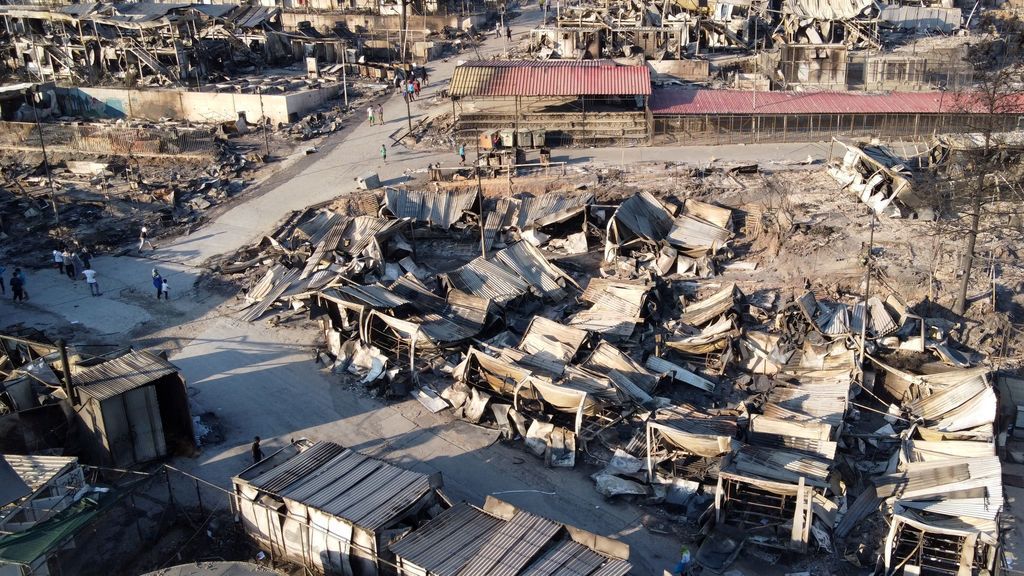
<point x="549" y="78"/>
<point x="685" y="101"/>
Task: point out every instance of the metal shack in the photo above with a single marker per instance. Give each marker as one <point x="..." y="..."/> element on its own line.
<point x="134" y="409"/>
<point x="331" y="509"/>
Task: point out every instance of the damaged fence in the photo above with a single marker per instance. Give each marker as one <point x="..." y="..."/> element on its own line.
<point x="103" y="140"/>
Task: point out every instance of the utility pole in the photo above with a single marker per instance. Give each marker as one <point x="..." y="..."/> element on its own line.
<point x="480" y="199"/>
<point x="408" y="107"/>
<point x="867" y="288"/>
<point x="263" y="120"/>
<point x="344" y="72"/>
<point x="29" y="99"/>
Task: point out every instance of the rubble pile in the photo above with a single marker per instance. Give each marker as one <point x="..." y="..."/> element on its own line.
<point x="595" y="332"/>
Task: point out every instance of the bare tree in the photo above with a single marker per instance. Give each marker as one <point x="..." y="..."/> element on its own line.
<point x="982" y="163"/>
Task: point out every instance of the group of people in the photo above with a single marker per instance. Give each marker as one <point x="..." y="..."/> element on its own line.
<point x="508" y="31"/>
<point x="411" y="89"/>
<point x="376" y="114"/>
<point x="17" y="284"/>
<point x="75" y="263"/>
<point x="160" y="283"/>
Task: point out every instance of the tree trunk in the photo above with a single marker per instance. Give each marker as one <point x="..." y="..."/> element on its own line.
<point x="972" y="237"/>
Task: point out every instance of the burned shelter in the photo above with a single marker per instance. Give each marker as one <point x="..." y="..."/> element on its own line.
<point x="332" y="509"/>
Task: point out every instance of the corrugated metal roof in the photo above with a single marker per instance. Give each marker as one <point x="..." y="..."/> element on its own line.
<point x="214" y="10"/>
<point x="447" y="543"/>
<point x="362" y="490"/>
<point x="253" y="16"/>
<point x="548" y="78"/>
<point x="668" y="101"/>
<point x="117" y="376"/>
<point x="512" y="547"/>
<point x="296" y="468"/>
<point x="466" y="540"/>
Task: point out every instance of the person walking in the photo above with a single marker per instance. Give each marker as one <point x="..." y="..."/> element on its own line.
<point x="86" y="257"/>
<point x="462" y="154"/>
<point x="257" y="452"/>
<point x="369" y="112"/>
<point x="380" y="114"/>
<point x="411" y="89"/>
<point x="3" y="289"/>
<point x="416" y="87"/>
<point x="69" y="264"/>
<point x="497" y="30"/>
<point x="158" y="283"/>
<point x="424" y="74"/>
<point x="18" y="286"/>
<point x="384" y="153"/>
<point x="508" y="33"/>
<point x="58" y="259"/>
<point x="165" y="289"/>
<point x="144" y="239"/>
<point x="90" y="278"/>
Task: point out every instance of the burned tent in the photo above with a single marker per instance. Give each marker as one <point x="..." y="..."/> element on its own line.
<point x="501" y="539"/>
<point x="134" y="409"/>
<point x="332" y="509"/>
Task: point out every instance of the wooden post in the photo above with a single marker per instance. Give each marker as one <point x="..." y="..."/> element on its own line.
<point x="797" y="540"/>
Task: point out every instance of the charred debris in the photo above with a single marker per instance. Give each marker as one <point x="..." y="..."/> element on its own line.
<point x="605" y="334"/>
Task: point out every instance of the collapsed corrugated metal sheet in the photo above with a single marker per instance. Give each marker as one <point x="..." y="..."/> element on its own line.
<point x="529" y="263"/>
<point x="704" y="311"/>
<point x="780" y="465"/>
<point x="551" y="342"/>
<point x="616" y="306"/>
<point x="693" y="431"/>
<point x="490" y="78"/>
<point x="467" y="540"/>
<point x="533" y="212"/>
<point x="510" y="274"/>
<point x="639" y="216"/>
<point x="36" y="471"/>
<point x="487" y="279"/>
<point x="117" y="376"/>
<point x="607" y="358"/>
<point x="441" y="209"/>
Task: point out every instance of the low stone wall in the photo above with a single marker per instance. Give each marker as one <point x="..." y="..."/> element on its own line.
<point x="190" y="105"/>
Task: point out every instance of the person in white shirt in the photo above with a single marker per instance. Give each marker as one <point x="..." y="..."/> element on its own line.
<point x="58" y="259"/>
<point x="90" y="277"/>
<point x="369" y="112"/>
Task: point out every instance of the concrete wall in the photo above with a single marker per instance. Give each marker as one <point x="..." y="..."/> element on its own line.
<point x="379" y="23"/>
<point x="191" y="106"/>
